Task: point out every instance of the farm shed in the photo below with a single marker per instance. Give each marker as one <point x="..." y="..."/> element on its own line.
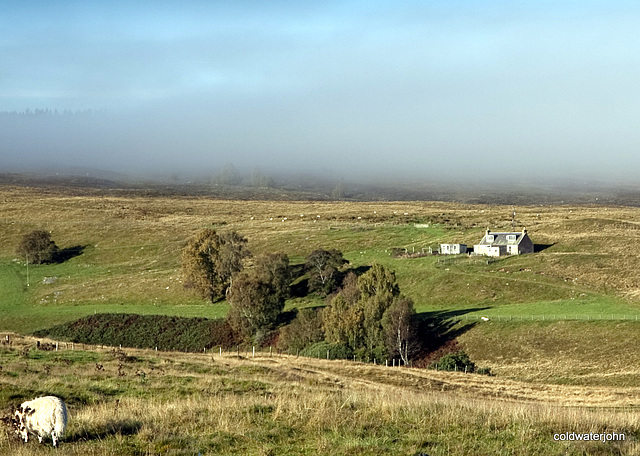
<point x="453" y="249"/>
<point x="499" y="244"/>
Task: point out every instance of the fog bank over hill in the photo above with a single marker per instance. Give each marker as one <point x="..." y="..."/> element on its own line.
<point x="483" y="92"/>
<point x="230" y="182"/>
<point x="150" y="144"/>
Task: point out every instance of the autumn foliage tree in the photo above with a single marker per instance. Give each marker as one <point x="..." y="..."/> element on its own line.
<point x="343" y="318"/>
<point x="273" y="268"/>
<point x="37" y="247"/>
<point x="303" y="331"/>
<point x="209" y="261"/>
<point x="399" y="329"/>
<point x="257" y="296"/>
<point x="370" y="316"/>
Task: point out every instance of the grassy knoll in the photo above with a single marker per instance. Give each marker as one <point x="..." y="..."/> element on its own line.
<point x="40" y="305"/>
<point x="145" y="402"/>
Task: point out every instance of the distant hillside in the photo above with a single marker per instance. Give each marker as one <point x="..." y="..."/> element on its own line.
<point x="302" y="187"/>
<point x="58" y="181"/>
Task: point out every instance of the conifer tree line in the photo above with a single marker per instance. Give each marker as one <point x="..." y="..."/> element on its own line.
<point x="365" y="315"/>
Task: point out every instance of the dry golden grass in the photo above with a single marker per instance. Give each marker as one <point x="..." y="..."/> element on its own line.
<point x="190" y="404"/>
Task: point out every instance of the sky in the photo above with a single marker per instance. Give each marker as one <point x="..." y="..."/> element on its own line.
<point x="456" y="88"/>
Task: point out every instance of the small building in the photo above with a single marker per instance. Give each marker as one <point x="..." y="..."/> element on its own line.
<point x="498" y="244"/>
<point x="453" y="249"/>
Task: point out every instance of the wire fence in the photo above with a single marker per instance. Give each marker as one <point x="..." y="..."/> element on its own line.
<point x="246" y="351"/>
<point x="551" y="317"/>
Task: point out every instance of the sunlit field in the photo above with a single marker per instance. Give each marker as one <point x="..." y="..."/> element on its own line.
<point x="561" y="334"/>
<point x="147" y="402"/>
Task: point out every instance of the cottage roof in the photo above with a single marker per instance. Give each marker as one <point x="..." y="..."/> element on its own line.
<point x="503" y="238"/>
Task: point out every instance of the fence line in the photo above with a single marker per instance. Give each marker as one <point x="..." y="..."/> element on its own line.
<point x="550" y="317"/>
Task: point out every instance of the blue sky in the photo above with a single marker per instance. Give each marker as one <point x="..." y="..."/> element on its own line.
<point x="444" y="87"/>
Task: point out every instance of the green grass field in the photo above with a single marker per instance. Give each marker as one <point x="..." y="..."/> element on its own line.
<point x="131" y="246"/>
<point x="27" y="309"/>
<point x="88" y="284"/>
<point x="561" y="337"/>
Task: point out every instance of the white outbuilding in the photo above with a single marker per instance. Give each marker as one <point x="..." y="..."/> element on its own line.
<point x="453" y="249"/>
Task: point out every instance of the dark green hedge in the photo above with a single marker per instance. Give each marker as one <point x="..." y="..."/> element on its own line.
<point x="145" y="331"/>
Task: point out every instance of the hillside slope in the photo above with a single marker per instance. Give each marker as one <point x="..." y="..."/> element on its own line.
<point x="124" y="257"/>
<point x="147" y="402"/>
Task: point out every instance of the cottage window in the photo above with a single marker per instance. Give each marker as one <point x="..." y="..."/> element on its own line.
<point x="490" y="237"/>
<point x="511" y="237"/>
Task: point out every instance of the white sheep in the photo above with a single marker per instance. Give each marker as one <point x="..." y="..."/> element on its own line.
<point x="42" y="417"/>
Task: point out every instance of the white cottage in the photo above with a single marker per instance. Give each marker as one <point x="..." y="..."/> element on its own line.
<point x="499" y="244"/>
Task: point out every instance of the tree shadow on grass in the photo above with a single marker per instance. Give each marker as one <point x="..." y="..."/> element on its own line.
<point x="439" y="330"/>
<point x="300" y="288"/>
<point x="111" y="427"/>
<point x="287" y="316"/>
<point x="300" y="284"/>
<point x="358" y="270"/>
<point x="69" y="252"/>
<point x="540" y="247"/>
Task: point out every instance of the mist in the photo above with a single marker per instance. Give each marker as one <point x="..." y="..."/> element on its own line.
<point x="480" y="91"/>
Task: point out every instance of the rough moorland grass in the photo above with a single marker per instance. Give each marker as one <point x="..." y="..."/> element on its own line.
<point x="566" y="352"/>
<point x="130" y="260"/>
<point x="169" y="403"/>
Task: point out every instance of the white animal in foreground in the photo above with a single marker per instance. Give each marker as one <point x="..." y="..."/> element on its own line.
<point x="484" y="318"/>
<point x="42" y="417"/>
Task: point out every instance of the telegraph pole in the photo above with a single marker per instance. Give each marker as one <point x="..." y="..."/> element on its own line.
<point x="26" y="257"/>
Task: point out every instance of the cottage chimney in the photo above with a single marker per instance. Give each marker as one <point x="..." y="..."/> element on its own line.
<point x="486" y="233"/>
<point x="524" y="231"/>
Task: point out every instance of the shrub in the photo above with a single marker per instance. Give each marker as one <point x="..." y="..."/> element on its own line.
<point x="304" y="330"/>
<point x="319" y="350"/>
<point x="458" y="361"/>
